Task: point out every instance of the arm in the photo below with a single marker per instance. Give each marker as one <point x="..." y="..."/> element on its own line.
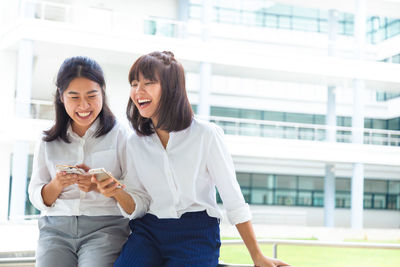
<point x="222" y="171"/>
<point x="53" y="189"/>
<point x="110" y="189"/>
<point x="44" y="191"/>
<point x="246" y="231"/>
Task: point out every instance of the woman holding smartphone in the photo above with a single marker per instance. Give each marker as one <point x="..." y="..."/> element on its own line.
<point x="175" y="162"/>
<point x="78" y="225"/>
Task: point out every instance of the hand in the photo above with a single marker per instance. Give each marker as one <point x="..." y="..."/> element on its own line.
<point x="85" y="184"/>
<point x="63" y="180"/>
<point x="262" y="261"/>
<point x="108" y="187"/>
<point x="84" y="180"/>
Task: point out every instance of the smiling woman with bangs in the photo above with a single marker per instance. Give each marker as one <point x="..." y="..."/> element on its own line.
<point x="175" y="163"/>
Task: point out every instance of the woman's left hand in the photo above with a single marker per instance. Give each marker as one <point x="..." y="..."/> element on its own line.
<point x="263" y="261"/>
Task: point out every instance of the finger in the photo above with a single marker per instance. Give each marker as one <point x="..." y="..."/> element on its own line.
<point x="106" y="183"/>
<point x="83" y="167"/>
<point x="110" y="190"/>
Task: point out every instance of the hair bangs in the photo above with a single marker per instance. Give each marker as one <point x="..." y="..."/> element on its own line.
<point x="146" y="65"/>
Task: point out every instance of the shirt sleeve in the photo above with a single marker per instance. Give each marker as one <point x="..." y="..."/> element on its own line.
<point x="222" y="171"/>
<point x="40" y="177"/>
<point x="134" y="188"/>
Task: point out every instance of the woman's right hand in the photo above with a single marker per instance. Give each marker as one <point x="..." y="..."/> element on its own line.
<point x="63" y="180"/>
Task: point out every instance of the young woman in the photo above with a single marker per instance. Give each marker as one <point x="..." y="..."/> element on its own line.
<point x="174" y="164"/>
<point x="79" y="226"/>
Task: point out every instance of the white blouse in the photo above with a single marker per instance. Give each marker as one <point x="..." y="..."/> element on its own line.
<point x="182" y="178"/>
<point x="107" y="151"/>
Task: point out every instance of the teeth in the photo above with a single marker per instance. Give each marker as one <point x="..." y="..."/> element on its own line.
<point x="83" y="114"/>
<point x="140" y="101"/>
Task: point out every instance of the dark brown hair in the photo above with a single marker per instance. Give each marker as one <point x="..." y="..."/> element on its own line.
<point x="174" y="111"/>
<point x="71" y="68"/>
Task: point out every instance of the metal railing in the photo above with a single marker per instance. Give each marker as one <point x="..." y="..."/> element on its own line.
<point x="29" y="258"/>
<point x="263" y="128"/>
<point x="302" y="131"/>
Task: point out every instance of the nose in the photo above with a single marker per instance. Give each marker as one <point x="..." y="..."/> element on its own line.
<point x="139" y="87"/>
<point x="84" y="104"/>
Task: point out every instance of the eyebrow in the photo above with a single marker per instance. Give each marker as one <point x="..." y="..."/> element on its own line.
<point x="76" y="93"/>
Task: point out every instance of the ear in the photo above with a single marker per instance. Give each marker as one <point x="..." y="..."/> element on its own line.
<point x="60" y="95"/>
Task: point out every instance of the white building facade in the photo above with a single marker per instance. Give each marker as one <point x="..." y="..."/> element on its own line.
<point x="307" y="93"/>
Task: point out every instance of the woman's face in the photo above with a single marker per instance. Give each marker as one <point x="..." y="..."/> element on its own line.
<point x="146" y="95"/>
<point x="83" y="101"/>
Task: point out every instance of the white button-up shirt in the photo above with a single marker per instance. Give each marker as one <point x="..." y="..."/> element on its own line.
<point x="182" y="178"/>
<point x="107" y="151"/>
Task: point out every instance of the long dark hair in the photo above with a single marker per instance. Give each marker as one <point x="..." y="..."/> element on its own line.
<point x="174" y="111"/>
<point x="71" y="68"/>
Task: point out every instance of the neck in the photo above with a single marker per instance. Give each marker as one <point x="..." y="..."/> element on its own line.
<point x="164" y="137"/>
<point x="78" y="129"/>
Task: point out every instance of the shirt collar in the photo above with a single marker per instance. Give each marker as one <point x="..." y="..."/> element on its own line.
<point x="90" y="132"/>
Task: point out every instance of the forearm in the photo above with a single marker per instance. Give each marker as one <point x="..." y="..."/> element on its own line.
<point x="50" y="193"/>
<point x="125" y="201"/>
<point x="246" y="231"/>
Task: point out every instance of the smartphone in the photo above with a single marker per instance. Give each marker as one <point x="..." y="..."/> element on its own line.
<point x="101" y="174"/>
<point x="69" y="169"/>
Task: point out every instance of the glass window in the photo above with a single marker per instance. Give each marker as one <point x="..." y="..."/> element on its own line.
<point x="285" y="197"/>
<point x="194" y="108"/>
<point x="263" y="180"/>
<point x="368" y="201"/>
<point x="379" y="201"/>
<point x="261" y="196"/>
<point x="343" y="200"/>
<point x="243" y="179"/>
<point x="379" y="124"/>
<point x="394" y="187"/>
<point x="393" y="202"/>
<point x="318" y="199"/>
<point x="375" y="186"/>
<point x="300" y="118"/>
<point x="342" y="184"/>
<point x="225" y="112"/>
<point x="286" y="181"/>
<point x="368" y="123"/>
<point x="274" y="116"/>
<point x="304" y="198"/>
<point x="251" y="114"/>
<point x="393" y="28"/>
<point x="311" y="183"/>
<point x="394" y="124"/>
<point x="319" y="119"/>
<point x="343" y="121"/>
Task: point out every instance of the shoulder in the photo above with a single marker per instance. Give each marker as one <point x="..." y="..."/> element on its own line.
<point x="205" y="127"/>
<point x="121" y="130"/>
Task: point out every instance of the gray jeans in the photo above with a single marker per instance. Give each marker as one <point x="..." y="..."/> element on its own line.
<point x="84" y="241"/>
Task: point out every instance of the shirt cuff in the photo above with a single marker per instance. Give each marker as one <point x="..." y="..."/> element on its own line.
<point x="38" y="199"/>
<point x="239" y="215"/>
<point x="137" y="213"/>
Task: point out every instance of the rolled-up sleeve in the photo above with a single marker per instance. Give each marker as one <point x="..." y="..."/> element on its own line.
<point x="40" y="177"/>
<point x="222" y="171"/>
<point x="135" y="189"/>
